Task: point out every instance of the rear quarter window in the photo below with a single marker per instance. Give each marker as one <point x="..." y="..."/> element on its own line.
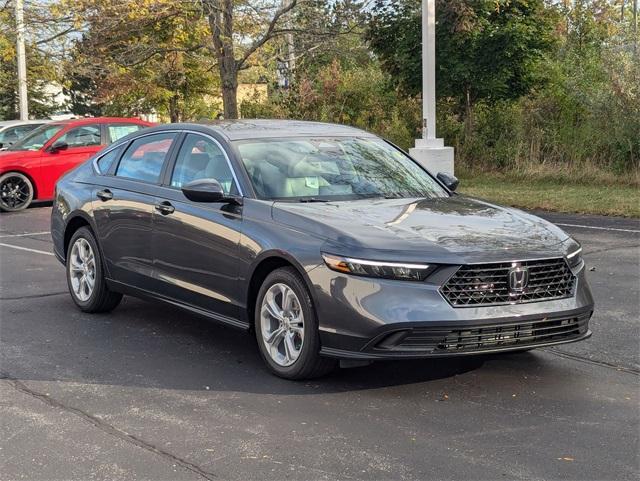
<point x="105" y="162"/>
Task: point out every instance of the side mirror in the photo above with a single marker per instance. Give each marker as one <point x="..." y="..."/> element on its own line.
<point x="450" y="181"/>
<point x="58" y="146"/>
<point x="206" y="190"/>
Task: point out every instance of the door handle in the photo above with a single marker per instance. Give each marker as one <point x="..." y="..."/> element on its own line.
<point x="165" y="208"/>
<point x="105" y="195"/>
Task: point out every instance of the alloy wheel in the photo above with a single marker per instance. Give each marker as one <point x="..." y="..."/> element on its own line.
<point x="282" y="324"/>
<point x="82" y="269"/>
<point x="15" y="192"/>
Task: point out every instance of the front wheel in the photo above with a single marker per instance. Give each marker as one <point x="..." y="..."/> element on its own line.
<point x="16" y="192"/>
<point x="85" y="275"/>
<point x="287" y="328"/>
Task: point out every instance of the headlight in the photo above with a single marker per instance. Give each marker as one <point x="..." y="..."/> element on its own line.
<point x="386" y="270"/>
<point x="574" y="258"/>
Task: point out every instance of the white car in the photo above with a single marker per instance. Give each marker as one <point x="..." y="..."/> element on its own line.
<point x="13" y="130"/>
<point x="63" y="115"/>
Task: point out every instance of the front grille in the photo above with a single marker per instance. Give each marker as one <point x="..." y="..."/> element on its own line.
<point x="487" y="337"/>
<point x="488" y="284"/>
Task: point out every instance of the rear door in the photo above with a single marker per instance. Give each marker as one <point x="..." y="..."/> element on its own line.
<point x="124" y="206"/>
<point x="195" y="245"/>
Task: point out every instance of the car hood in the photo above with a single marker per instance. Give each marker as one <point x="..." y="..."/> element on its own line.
<point x="453" y="229"/>
<point x="12" y="156"/>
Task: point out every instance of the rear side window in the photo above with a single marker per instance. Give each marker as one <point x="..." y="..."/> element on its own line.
<point x="117" y="131"/>
<point x="106" y="161"/>
<point x="145" y="157"/>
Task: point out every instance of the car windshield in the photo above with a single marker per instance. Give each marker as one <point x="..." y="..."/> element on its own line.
<point x="36" y="139"/>
<point x="327" y="168"/>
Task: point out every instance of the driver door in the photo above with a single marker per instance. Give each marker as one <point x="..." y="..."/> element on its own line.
<point x="82" y="142"/>
<point x="195" y="244"/>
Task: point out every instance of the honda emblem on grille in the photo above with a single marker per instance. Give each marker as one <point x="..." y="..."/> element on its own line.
<point x="518" y="278"/>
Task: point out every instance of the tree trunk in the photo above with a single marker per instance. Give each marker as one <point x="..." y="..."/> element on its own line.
<point x="229" y="76"/>
<point x="174" y="115"/>
<point x="220" y="16"/>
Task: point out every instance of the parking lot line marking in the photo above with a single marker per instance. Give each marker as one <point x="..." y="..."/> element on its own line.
<point x="26" y="249"/>
<point x="24" y="235"/>
<point x="598" y="228"/>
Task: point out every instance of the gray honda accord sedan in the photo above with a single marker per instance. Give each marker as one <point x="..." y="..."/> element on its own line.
<point x="328" y="242"/>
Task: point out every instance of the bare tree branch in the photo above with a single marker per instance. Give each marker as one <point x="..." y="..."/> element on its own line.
<point x="269" y="34"/>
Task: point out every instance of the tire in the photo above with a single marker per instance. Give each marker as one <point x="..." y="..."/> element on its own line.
<point x="93" y="297"/>
<point x="295" y="352"/>
<point x="16" y="192"/>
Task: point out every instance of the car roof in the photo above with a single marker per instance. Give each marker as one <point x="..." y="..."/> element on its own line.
<point x="11" y="123"/>
<point x="90" y="120"/>
<point x="262" y="128"/>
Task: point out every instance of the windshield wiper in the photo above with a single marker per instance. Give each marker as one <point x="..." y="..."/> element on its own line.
<point x="313" y="199"/>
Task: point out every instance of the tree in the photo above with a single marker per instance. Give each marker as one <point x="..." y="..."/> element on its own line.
<point x="326" y="32"/>
<point x="229" y="36"/>
<point x="40" y="71"/>
<point x="238" y="29"/>
<point x="138" y="57"/>
<point x="485" y="49"/>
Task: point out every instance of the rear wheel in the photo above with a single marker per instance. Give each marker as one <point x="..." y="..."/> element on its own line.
<point x="16" y="192"/>
<point x="287" y="327"/>
<point x="85" y="275"/>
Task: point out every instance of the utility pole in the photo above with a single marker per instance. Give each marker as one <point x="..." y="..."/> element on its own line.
<point x="430" y="151"/>
<point x="23" y="105"/>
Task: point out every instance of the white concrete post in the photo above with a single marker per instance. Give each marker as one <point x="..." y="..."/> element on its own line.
<point x="23" y="105"/>
<point x="430" y="151"/>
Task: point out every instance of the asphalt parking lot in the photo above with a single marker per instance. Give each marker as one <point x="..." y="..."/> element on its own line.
<point x="151" y="392"/>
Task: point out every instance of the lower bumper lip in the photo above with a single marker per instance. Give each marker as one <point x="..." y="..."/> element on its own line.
<point x="372" y="356"/>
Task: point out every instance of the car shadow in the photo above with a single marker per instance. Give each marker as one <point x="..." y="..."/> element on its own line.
<point x="149" y="345"/>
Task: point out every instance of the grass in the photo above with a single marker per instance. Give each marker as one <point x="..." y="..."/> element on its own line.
<point x="555" y="193"/>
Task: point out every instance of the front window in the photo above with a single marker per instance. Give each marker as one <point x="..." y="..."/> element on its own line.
<point x="201" y="158"/>
<point x="36" y="139"/>
<point x="324" y="168"/>
<point x="85" y="136"/>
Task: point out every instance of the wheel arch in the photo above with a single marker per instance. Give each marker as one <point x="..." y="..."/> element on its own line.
<point x="73" y="223"/>
<point x="262" y="267"/>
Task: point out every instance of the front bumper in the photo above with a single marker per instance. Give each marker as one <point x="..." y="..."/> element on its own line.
<point x="364" y="318"/>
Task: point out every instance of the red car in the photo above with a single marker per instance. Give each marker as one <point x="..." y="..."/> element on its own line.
<point x="30" y="168"/>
